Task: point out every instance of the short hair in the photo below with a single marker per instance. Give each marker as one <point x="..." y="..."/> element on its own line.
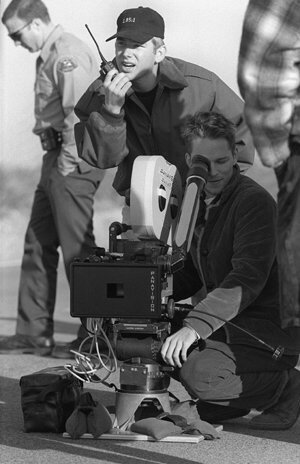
<point x="27" y="10"/>
<point x="209" y="125"/>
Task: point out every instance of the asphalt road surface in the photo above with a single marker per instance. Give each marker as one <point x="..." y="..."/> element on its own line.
<point x="237" y="444"/>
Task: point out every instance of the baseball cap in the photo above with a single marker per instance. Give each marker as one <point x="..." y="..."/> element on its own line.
<point x="139" y="24"/>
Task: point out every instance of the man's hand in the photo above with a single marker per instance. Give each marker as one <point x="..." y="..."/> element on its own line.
<point x="116" y="85"/>
<point x="175" y="347"/>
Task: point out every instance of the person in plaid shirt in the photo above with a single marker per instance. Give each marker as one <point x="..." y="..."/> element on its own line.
<point x="269" y="82"/>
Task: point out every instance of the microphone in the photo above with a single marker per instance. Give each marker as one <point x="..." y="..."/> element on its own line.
<point x="195" y="183"/>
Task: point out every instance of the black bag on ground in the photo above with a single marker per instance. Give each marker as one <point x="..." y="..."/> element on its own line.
<point x="48" y="398"/>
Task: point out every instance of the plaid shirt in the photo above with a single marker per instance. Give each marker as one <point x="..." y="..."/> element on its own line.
<point x="269" y="76"/>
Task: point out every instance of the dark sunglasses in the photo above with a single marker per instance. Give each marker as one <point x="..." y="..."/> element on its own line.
<point x="16" y="36"/>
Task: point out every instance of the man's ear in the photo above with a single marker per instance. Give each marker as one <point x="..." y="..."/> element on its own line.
<point x="188" y="159"/>
<point x="160" y="53"/>
<point x="36" y="24"/>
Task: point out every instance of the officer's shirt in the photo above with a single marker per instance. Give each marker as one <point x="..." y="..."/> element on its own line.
<point x="64" y="70"/>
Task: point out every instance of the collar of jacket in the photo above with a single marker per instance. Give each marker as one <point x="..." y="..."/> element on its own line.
<point x="52" y="37"/>
<point x="169" y="75"/>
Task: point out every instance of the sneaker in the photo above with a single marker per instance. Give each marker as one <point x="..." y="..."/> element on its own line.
<point x="25" y="344"/>
<point x="285" y="412"/>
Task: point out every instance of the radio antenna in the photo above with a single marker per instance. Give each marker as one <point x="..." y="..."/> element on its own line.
<point x="101" y="56"/>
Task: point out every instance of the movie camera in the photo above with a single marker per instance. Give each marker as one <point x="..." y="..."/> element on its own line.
<point x="128" y="290"/>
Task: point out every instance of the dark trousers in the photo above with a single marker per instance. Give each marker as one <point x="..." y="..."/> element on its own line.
<point x="288" y="231"/>
<point x="61" y="216"/>
<point x="239" y="376"/>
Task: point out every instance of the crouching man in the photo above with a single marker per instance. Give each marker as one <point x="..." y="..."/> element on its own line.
<point x="233" y="262"/>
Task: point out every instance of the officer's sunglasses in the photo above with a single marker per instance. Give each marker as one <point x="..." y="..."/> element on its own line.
<point x="16" y="36"/>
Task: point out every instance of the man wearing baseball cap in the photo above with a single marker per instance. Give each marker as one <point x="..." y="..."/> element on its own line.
<point x="118" y="124"/>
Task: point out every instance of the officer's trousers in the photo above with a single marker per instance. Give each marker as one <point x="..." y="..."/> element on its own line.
<point x="61" y="216"/>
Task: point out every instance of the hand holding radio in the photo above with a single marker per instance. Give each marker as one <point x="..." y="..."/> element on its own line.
<point x="116" y="84"/>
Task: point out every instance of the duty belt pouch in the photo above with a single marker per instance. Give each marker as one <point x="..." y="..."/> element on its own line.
<point x="48" y="398"/>
<point x="50" y="139"/>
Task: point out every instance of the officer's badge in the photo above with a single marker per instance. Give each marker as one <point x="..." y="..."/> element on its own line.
<point x="66" y="64"/>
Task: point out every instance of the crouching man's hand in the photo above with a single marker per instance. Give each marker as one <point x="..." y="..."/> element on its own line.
<point x="175" y="347"/>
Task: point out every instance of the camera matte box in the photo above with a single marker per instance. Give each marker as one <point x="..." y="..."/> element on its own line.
<point x="115" y="289"/>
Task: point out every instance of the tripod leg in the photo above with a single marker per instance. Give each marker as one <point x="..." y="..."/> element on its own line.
<point x="128" y="403"/>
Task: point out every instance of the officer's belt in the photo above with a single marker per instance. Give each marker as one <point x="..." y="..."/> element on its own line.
<point x="50" y="139"/>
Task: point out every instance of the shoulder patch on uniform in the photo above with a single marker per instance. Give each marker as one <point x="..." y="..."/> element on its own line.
<point x="66" y="64"/>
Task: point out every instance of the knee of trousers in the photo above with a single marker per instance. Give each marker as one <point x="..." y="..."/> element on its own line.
<point x="201" y="381"/>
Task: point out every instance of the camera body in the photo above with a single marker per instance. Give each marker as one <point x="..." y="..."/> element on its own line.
<point x="132" y="292"/>
<point x="117" y="285"/>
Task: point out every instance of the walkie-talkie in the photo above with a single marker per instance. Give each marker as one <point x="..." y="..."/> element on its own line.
<point x="105" y="66"/>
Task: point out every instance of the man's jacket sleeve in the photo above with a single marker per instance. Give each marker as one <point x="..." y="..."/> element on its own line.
<point x="100" y="136"/>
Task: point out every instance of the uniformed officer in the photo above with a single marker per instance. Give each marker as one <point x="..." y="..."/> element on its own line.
<point x="62" y="211"/>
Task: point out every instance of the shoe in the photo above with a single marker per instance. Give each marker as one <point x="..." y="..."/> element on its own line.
<point x="285" y="412"/>
<point x="25" y="344"/>
<point x="215" y="413"/>
<point x="64" y="351"/>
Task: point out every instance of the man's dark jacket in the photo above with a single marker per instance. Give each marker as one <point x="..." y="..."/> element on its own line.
<point x="234" y="252"/>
